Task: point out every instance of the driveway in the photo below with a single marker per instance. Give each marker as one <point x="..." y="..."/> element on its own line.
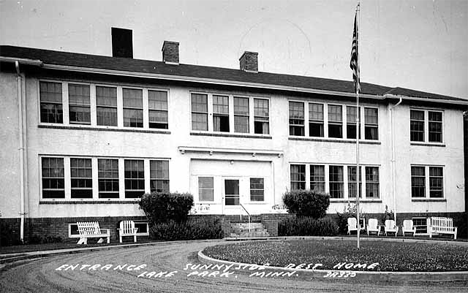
<point x="174" y="267"/>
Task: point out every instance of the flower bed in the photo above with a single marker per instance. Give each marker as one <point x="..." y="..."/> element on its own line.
<point x="390" y="256"/>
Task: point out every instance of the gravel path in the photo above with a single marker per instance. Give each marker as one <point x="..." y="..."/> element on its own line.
<point x="174" y="267"/>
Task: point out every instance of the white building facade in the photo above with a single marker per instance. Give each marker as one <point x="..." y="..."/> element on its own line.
<point x="84" y="136"/>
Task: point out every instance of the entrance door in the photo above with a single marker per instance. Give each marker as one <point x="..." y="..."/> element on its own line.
<point x="231" y="192"/>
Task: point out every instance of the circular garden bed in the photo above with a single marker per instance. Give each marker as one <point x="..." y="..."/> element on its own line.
<point x="329" y="254"/>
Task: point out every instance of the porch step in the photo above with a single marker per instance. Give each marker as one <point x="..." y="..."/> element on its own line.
<point x="241" y="230"/>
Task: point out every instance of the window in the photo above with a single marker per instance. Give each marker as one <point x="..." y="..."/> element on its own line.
<point x="296" y="118"/>
<point x="159" y="176"/>
<point x="371" y="120"/>
<point x="317" y="178"/>
<point x="298" y="178"/>
<point x="435" y="126"/>
<point x="79" y="104"/>
<point x="51" y="102"/>
<point x="261" y="116"/>
<point x="316" y="120"/>
<point x="81" y="178"/>
<point x="336" y="181"/>
<point x="134" y="178"/>
<point x="206" y="188"/>
<point x="335" y="121"/>
<point x="53" y="178"/>
<point x="108" y="176"/>
<point x="133" y="108"/>
<point x="157" y="107"/>
<point x="220" y="113"/>
<point x="436" y="182"/>
<point x="351" y="122"/>
<point x="241" y="115"/>
<point x="106" y="106"/>
<point x="418" y="182"/>
<point x="372" y="182"/>
<point x="420" y="224"/>
<point x="199" y="112"/>
<point x="417" y="125"/>
<point x="352" y="182"/>
<point x="257" y="189"/>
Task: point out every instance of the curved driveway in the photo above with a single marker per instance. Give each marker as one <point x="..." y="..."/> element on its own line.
<point x="174" y="267"/>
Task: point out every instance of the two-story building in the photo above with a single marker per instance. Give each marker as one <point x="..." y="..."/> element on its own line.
<point x="84" y="136"/>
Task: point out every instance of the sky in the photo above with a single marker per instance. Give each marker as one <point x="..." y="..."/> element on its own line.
<point x="416" y="44"/>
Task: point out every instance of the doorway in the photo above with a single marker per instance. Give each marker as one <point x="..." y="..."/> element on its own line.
<point x="231" y="192"/>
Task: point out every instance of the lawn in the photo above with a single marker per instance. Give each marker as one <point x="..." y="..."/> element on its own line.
<point x="390" y="256"/>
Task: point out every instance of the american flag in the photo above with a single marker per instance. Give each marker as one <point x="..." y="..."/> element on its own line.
<point x="354" y="64"/>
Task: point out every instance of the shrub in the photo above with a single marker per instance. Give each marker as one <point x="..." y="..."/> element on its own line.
<point x="306" y="226"/>
<point x="195" y="228"/>
<point x="161" y="207"/>
<point x="307" y="203"/>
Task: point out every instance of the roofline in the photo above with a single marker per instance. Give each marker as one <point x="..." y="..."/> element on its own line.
<point x="21" y="61"/>
<point x="418" y="99"/>
<point x="203" y="80"/>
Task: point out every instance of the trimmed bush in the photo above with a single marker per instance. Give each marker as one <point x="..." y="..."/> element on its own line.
<point x="307" y="203"/>
<point x="306" y="226"/>
<point x="198" y="228"/>
<point x="161" y="207"/>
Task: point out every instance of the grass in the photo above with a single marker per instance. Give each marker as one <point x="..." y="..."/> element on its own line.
<point x="391" y="256"/>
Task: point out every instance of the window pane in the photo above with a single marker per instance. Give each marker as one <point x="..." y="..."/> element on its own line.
<point x="53" y="178"/>
<point x="241" y="115"/>
<point x="372" y="182"/>
<point x="108" y="176"/>
<point x="416" y="125"/>
<point x="335" y="113"/>
<point x="435" y="126"/>
<point x="336" y="181"/>
<point x="106" y="106"/>
<point x="206" y="188"/>
<point x="352" y="181"/>
<point x="133" y="98"/>
<point x="134" y="178"/>
<point x="257" y="189"/>
<point x="418" y="182"/>
<point x="51" y="102"/>
<point x="81" y="178"/>
<point x="316" y="112"/>
<point x="371" y="123"/>
<point x="261" y="116"/>
<point x="298" y="177"/>
<point x="436" y="182"/>
<point x="159" y="175"/>
<point x="317" y="178"/>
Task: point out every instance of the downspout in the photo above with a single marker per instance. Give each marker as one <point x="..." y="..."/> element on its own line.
<point x="393" y="157"/>
<point x="21" y="150"/>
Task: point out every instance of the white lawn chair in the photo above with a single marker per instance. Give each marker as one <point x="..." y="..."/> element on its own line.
<point x="352" y="225"/>
<point x="373" y="226"/>
<point x="390" y="227"/>
<point x="127" y="228"/>
<point x="408" y="227"/>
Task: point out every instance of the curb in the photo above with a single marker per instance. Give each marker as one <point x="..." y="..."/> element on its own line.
<point x="348" y="275"/>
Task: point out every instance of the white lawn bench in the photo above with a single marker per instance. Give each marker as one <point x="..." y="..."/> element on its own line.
<point x="92" y="230"/>
<point x="440" y="225"/>
<point x="127" y="228"/>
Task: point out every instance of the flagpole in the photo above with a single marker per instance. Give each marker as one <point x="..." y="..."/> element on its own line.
<point x="358" y="124"/>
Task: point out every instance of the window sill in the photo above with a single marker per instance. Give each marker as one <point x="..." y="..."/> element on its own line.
<point x="228" y="134"/>
<point x="435" y="144"/>
<point x="352" y="200"/>
<point x="429" y="200"/>
<point x="338" y="140"/>
<point x="104" y="128"/>
<point x="88" y="201"/>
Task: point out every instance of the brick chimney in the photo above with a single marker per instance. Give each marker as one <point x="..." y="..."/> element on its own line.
<point x="170" y="52"/>
<point x="249" y="61"/>
<point x="122" y="42"/>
